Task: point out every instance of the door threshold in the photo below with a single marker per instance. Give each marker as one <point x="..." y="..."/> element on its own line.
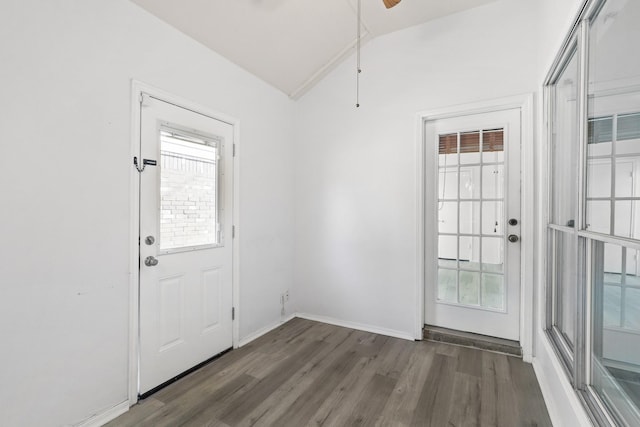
<point x="468" y="339"/>
<point x="181" y="375"/>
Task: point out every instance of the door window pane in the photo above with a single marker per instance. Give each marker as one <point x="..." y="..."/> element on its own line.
<point x="470" y="147"/>
<point x="447" y="285"/>
<point x="448" y="150"/>
<point x="492" y="181"/>
<point x="564" y="146"/>
<point x="448" y="217"/>
<point x="492" y="218"/>
<point x="493" y="146"/>
<point x="448" y="251"/>
<point x="470" y="182"/>
<point x="470" y="252"/>
<point x="493" y="294"/>
<point x="470" y="217"/>
<point x="493" y="254"/>
<point x="448" y="184"/>
<point x="188" y="190"/>
<point x="469" y="287"/>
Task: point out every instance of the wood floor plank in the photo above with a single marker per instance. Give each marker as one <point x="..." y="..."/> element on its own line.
<point x="306" y="405"/>
<point x="507" y="409"/>
<point x="489" y="391"/>
<point x="314" y="374"/>
<point x="469" y="361"/>
<point x="465" y="405"/>
<point x="285" y="396"/>
<point x="285" y="369"/>
<point x="402" y="403"/>
<point x="372" y="401"/>
<point x="197" y="412"/>
<point x="447" y="349"/>
<point x="435" y="400"/>
<point x="339" y="405"/>
<point x="394" y="357"/>
<point x="210" y="407"/>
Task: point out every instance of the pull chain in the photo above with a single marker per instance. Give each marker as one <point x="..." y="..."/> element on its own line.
<point x="358" y="69"/>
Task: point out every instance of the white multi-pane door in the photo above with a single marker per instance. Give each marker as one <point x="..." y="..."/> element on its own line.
<point x="185" y="240"/>
<point x="472" y="261"/>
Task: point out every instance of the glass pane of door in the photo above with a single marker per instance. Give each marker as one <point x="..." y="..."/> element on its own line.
<point x="188" y="191"/>
<point x="471" y="219"/>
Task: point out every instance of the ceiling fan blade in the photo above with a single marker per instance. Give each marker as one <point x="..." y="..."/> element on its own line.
<point x="390" y="3"/>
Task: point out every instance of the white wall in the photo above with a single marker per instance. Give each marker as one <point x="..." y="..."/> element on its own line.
<point x="64" y="180"/>
<point x="356" y="168"/>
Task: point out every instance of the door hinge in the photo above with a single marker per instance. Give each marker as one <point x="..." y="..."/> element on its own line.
<point x="233" y="231"/>
<point x="233" y="313"/>
<point x="234" y="150"/>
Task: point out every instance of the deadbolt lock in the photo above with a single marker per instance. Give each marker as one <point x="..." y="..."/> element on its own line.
<point x="513" y="221"/>
<point x="149" y="240"/>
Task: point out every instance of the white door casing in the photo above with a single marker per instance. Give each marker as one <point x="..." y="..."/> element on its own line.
<point x="445" y="204"/>
<point x="186" y="199"/>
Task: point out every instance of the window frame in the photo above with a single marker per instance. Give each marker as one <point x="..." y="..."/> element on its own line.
<point x="577" y="364"/>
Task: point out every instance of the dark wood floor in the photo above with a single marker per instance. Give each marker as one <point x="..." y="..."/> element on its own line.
<point x="309" y="373"/>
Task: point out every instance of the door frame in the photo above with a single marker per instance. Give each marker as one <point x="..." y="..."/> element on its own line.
<point x="525" y="103"/>
<point x="137" y="88"/>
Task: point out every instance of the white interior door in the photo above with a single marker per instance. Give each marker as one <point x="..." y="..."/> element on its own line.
<point x="473" y="212"/>
<point x="185" y="240"/>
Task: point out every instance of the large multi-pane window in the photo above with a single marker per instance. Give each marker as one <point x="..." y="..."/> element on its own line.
<point x="593" y="307"/>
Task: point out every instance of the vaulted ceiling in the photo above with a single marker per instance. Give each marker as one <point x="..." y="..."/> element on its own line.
<point x="292" y="44"/>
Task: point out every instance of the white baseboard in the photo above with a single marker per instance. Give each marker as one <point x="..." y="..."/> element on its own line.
<point x="562" y="403"/>
<point x="260" y="332"/>
<point x="101" y="419"/>
<point x="359" y="326"/>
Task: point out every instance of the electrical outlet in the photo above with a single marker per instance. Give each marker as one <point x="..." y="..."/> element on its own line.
<point x="286" y="295"/>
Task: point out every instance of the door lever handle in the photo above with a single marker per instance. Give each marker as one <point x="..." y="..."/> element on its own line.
<point x="150" y="261"/>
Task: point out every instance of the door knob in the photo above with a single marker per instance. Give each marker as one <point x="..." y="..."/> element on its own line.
<point x="512" y="238"/>
<point x="150" y="261"/>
